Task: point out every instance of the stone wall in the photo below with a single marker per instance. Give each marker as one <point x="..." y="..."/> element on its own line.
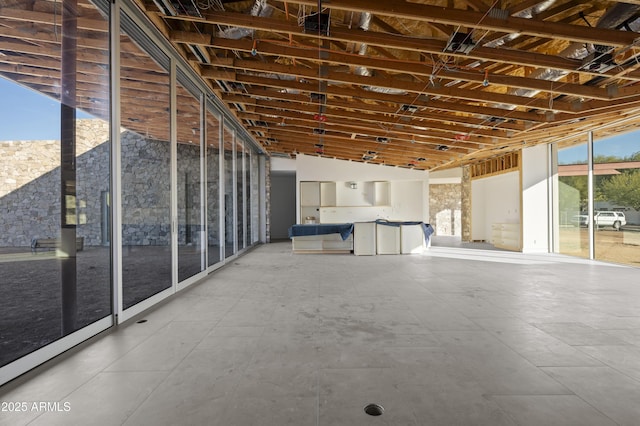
<point x="466" y="204"/>
<point x="255" y="197"/>
<point x="213" y="197"/>
<point x="445" y="208"/>
<point x="30" y="190"/>
<point x="146" y="190"/>
<point x="30" y="186"/>
<point x="267" y="196"/>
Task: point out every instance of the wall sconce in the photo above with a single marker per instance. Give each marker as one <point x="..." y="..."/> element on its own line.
<point x="353" y="185"/>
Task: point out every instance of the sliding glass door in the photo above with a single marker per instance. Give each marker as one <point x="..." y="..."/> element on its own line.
<point x="229" y="192"/>
<point x="145" y="144"/>
<point x="191" y="238"/>
<point x="214" y="243"/>
<point x="55" y="180"/>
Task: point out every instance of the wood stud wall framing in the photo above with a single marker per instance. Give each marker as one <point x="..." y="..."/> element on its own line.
<point x="504" y="164"/>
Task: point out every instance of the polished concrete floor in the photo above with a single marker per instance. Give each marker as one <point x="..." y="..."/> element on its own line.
<point x="451" y="337"/>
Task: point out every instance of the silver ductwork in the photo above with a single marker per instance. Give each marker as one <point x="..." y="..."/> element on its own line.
<point x="612" y="18"/>
<point x="259" y="8"/>
<point x="365" y="22"/>
<point x="527" y="14"/>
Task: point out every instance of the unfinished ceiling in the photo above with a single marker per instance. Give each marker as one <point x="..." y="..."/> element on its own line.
<point x="421" y="84"/>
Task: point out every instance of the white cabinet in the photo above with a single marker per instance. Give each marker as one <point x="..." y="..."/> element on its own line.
<point x="506" y="236"/>
<point x="364" y="238"/>
<point x="309" y="202"/>
<point x="326" y="243"/>
<point x="412" y="239"/>
<point x="387" y="239"/>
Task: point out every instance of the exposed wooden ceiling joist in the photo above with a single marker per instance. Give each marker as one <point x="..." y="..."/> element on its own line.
<point x="449" y="82"/>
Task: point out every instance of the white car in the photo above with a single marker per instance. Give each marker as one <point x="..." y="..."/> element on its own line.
<point x="610" y="218"/>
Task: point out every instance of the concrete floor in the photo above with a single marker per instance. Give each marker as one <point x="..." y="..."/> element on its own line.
<point x="451" y="337"/>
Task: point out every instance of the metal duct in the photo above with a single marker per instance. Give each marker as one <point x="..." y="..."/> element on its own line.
<point x="259" y="8"/>
<point x="528" y="14"/>
<point x="365" y="22"/>
<point x="612" y="18"/>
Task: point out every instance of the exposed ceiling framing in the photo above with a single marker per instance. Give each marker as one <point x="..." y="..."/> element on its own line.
<point x="420" y="84"/>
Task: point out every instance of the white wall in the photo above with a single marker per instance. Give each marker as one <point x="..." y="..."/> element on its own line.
<point x="409" y="188"/>
<point x="494" y="199"/>
<point x="282" y="164"/>
<point x="535" y="200"/>
<point x="453" y="175"/>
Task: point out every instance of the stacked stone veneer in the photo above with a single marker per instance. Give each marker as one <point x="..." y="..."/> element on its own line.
<point x="30" y="186"/>
<point x="30" y="189"/>
<point x="445" y="208"/>
<point x="146" y="191"/>
<point x="466" y="203"/>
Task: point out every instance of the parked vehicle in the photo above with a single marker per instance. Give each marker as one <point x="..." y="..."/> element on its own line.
<point x="610" y="218"/>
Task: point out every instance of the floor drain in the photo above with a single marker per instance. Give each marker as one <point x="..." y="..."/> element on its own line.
<point x="142" y="321"/>
<point x="374" y="409"/>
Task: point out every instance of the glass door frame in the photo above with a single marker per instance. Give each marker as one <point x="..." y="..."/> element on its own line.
<point x="126" y="314"/>
<point x="209" y="108"/>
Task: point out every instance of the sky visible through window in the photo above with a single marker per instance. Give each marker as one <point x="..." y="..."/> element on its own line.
<point x="28" y="115"/>
<point x="621" y="146"/>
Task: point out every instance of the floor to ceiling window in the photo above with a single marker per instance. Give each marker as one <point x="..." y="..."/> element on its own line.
<point x="617" y="198"/>
<point x="228" y="144"/>
<point x="241" y="194"/>
<point x="573" y="237"/>
<point x="54" y="174"/>
<point x="191" y="247"/>
<point x="213" y="188"/>
<point x="104" y="204"/>
<point x="146" y="167"/>
<point x="255" y="197"/>
<point x="615" y="222"/>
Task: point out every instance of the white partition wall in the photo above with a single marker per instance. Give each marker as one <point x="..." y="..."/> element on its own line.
<point x="535" y="199"/>
<point x="362" y="192"/>
<point x="495" y="200"/>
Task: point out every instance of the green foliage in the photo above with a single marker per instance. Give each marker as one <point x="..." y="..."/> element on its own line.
<point x="622" y="189"/>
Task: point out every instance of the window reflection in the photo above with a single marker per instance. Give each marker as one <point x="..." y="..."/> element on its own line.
<point x="573" y="238"/>
<point x="190" y="224"/>
<point x="617" y="198"/>
<point x="213" y="188"/>
<point x="54" y="257"/>
<point x="229" y="204"/>
<point x="241" y="194"/>
<point x="146" y="177"/>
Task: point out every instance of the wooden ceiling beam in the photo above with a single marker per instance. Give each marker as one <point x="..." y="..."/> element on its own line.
<point x="402" y="42"/>
<point x="353" y="129"/>
<point x="302" y="137"/>
<point x="365" y="121"/>
<point x="435" y="105"/>
<point x="22" y="15"/>
<point x="442" y="136"/>
<point x="480" y="20"/>
<point x="400" y="66"/>
<point x="394" y="83"/>
<point x="397" y="110"/>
